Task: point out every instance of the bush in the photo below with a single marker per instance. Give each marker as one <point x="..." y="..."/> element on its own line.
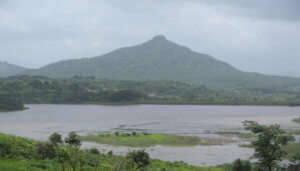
<point x="139" y="158"/>
<point x="55" y="139"/>
<point x="94" y="151"/>
<point x="240" y="165"/>
<point x="45" y="151"/>
<point x="11" y="146"/>
<point x="5" y="148"/>
<point x="73" y="139"/>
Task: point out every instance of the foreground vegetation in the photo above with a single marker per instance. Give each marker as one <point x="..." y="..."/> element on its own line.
<point x="292" y="150"/>
<point x="10" y="102"/>
<point x="83" y="90"/>
<point x="271" y="144"/>
<point x="19" y="154"/>
<point x="142" y="140"/>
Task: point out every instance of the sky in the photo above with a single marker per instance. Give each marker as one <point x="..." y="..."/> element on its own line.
<point x="252" y="35"/>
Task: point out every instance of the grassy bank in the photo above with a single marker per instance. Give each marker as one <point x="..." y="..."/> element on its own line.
<point x="297" y="120"/>
<point x="21" y="154"/>
<point x="107" y="165"/>
<point x="143" y="140"/>
<point x="292" y="149"/>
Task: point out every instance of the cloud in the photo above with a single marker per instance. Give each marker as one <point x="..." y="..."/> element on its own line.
<point x="260" y="9"/>
<point x="253" y="35"/>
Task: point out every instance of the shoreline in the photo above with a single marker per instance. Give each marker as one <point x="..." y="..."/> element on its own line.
<point x="137" y="103"/>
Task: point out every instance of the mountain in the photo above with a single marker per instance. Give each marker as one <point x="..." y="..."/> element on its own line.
<point x="161" y="59"/>
<point x="7" y="69"/>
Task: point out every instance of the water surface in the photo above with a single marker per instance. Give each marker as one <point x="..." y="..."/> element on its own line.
<point x="39" y="121"/>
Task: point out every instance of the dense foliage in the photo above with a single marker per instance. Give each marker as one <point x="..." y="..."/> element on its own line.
<point x="10" y="102"/>
<point x="19" y="154"/>
<point x="88" y="90"/>
<point x="269" y="144"/>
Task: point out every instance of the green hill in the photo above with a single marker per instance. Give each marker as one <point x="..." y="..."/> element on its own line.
<point x="161" y="59"/>
<point x="7" y="69"/>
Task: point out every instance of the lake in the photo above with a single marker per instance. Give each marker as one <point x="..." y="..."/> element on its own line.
<point x="39" y="121"/>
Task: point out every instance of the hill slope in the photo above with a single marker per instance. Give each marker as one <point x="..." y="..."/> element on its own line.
<point x="161" y="59"/>
<point x="7" y="69"/>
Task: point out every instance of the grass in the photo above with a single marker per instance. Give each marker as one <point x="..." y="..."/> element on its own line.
<point x="293" y="131"/>
<point x="242" y="135"/>
<point x="107" y="165"/>
<point x="26" y="165"/>
<point x="292" y="149"/>
<point x="21" y="156"/>
<point x="297" y="120"/>
<point x="179" y="166"/>
<point x="16" y="146"/>
<point x="142" y="140"/>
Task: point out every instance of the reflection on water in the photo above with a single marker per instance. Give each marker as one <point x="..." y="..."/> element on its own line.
<point x="41" y="120"/>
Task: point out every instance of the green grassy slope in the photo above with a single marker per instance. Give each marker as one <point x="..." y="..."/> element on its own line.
<point x="20" y="154"/>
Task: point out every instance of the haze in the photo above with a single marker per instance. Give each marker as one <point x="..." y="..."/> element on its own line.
<point x="252" y="35"/>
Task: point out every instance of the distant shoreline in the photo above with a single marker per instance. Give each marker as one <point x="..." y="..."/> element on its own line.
<point x="131" y="104"/>
<point x="14" y="110"/>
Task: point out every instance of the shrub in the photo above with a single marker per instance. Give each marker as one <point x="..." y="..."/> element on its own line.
<point x="45" y="151"/>
<point x="94" y="151"/>
<point x="73" y="139"/>
<point x="139" y="158"/>
<point x="55" y="139"/>
<point x="240" y="165"/>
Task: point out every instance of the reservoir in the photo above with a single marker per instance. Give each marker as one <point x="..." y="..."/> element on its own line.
<point x="39" y="121"/>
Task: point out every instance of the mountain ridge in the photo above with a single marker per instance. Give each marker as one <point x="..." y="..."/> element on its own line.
<point x="161" y="59"/>
<point x="7" y="69"/>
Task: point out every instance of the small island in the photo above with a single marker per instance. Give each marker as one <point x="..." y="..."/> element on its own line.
<point x="297" y="120"/>
<point x="10" y="102"/>
<point x="147" y="140"/>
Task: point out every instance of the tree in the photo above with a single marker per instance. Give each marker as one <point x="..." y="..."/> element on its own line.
<point x="139" y="158"/>
<point x="240" y="165"/>
<point x="73" y="139"/>
<point x="55" y="139"/>
<point x="62" y="156"/>
<point x="295" y="162"/>
<point x="94" y="151"/>
<point x="92" y="159"/>
<point x="126" y="95"/>
<point x="45" y="151"/>
<point x="75" y="158"/>
<point x="268" y="144"/>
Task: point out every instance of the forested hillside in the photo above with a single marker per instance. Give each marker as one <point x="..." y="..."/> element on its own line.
<point x="89" y="90"/>
<point x="7" y="69"/>
<point x="161" y="59"/>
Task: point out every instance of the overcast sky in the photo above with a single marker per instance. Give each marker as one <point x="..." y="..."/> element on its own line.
<point x="252" y="35"/>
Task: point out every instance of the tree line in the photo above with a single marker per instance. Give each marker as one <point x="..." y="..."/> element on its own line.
<point x="79" y="90"/>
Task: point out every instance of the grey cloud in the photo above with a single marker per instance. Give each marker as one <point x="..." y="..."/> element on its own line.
<point x="253" y="35"/>
<point x="263" y="9"/>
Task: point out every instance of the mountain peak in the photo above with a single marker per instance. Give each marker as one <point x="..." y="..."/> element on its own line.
<point x="159" y="41"/>
<point x="159" y="38"/>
